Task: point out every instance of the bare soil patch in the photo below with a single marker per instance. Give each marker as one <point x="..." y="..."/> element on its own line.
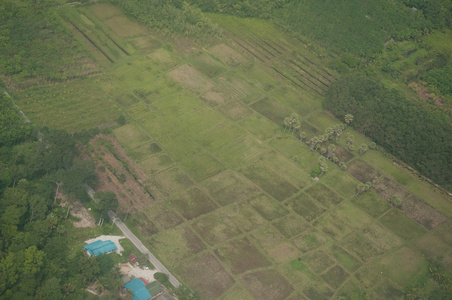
<point x="362" y="171"/>
<point x="241" y="256"/>
<point x="85" y="218"/>
<point x="228" y="55"/>
<point x="267" y="236"/>
<point x="191" y="79"/>
<point x="422" y="213"/>
<point x="193" y="203"/>
<point x="343" y="154"/>
<point x="206" y="275"/>
<point x="163" y="215"/>
<point x="216" y="228"/>
<point x="335" y="276"/>
<point x="268" y="284"/>
<point x="283" y="252"/>
<point x="386" y="188"/>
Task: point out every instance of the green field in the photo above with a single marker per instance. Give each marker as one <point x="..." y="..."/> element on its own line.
<point x="242" y="217"/>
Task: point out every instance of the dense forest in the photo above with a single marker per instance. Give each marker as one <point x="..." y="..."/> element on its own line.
<point x="37" y="260"/>
<point x="416" y="132"/>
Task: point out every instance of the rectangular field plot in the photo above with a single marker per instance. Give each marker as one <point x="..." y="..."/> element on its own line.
<point x="228" y="187"/>
<point x="272" y="109"/>
<point x="324" y="195"/>
<point x="306" y="207"/>
<point x="291" y="225"/>
<point x="381" y="237"/>
<point x="163" y="215"/>
<point x="345" y="259"/>
<point x="361" y="247"/>
<point x="267" y="284"/>
<point x="178" y="105"/>
<point x="235" y="110"/>
<point x="241" y="256"/>
<point x="176" y="243"/>
<point x="425" y="215"/>
<point x="267" y="236"/>
<point x="205" y="275"/>
<point x="371" y="203"/>
<point x="191" y="79"/>
<point x="268" y="208"/>
<point x="341" y="182"/>
<point x="362" y="171"/>
<point x="178" y="146"/>
<point x="298" y="103"/>
<point x="173" y="180"/>
<point x="335" y="276"/>
<point x="228" y="55"/>
<point x="207" y="65"/>
<point x="156" y="164"/>
<point x="310" y="240"/>
<point x="201" y="166"/>
<point x="216" y="227"/>
<point x="237" y="292"/>
<point x="244" y="216"/>
<point x="155" y="125"/>
<point x="322" y="120"/>
<point x="163" y="58"/>
<point x="402" y="225"/>
<point x="260" y="126"/>
<point x="221" y="137"/>
<point x="131" y="135"/>
<point x="74" y="106"/>
<point x="145" y="44"/>
<point x="144" y="151"/>
<point x="239" y="88"/>
<point x="269" y="181"/>
<point x="243" y="151"/>
<point x="123" y="27"/>
<point x="200" y="123"/>
<point x="104" y="11"/>
<point x="193" y="203"/>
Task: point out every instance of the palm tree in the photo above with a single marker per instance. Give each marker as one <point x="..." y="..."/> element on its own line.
<point x="331" y="149"/>
<point x="314" y="140"/>
<point x="338" y="133"/>
<point x="322" y="150"/>
<point x="351" y="148"/>
<point x="286" y="123"/>
<point x="348" y="118"/>
<point x="363" y="148"/>
<point x="372" y="145"/>
<point x="343" y="166"/>
<point x="302" y="136"/>
<point x="350" y="139"/>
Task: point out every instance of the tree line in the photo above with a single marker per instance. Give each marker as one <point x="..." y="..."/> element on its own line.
<point x="417" y="134"/>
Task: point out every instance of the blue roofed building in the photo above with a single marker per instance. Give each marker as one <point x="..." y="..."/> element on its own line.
<point x="138" y="289"/>
<point x="100" y="247"/>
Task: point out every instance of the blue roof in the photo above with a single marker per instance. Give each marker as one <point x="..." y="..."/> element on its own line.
<point x="100" y="247"/>
<point x="138" y="288"/>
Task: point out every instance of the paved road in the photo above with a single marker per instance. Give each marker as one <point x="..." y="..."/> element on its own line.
<point x="157" y="264"/>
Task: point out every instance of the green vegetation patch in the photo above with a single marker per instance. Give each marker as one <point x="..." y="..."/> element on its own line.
<point x="221" y="137"/>
<point x="318" y="290"/>
<point x="267" y="284"/>
<point x="144" y="151"/>
<point x="381" y="237"/>
<point x="124" y="27"/>
<point x="362" y="247"/>
<point x="200" y="123"/>
<point x="269" y="180"/>
<point x="260" y="126"/>
<point x="345" y="259"/>
<point x="267" y="236"/>
<point x="201" y="166"/>
<point x="306" y="207"/>
<point x="309" y="240"/>
<point x="237" y="292"/>
<point x="433" y="247"/>
<point x="156" y="164"/>
<point x="104" y="11"/>
<point x="176" y="244"/>
<point x="387" y="290"/>
<point x="291" y="225"/>
<point x="172" y="180"/>
<point x="144" y="225"/>
<point x="228" y="187"/>
<point x="216" y="227"/>
<point x="228" y="55"/>
<point x="445" y="232"/>
<point x="235" y="110"/>
<point x="272" y="109"/>
<point x="207" y="65"/>
<point x="206" y="275"/>
<point x="178" y="105"/>
<point x="163" y="215"/>
<point x="318" y="261"/>
<point x="178" y="146"/>
<point x="193" y="203"/>
<point x="368" y="276"/>
<point x="371" y="203"/>
<point x="155" y="125"/>
<point x="241" y="152"/>
<point x="341" y="182"/>
<point x="352" y="290"/>
<point x="241" y="256"/>
<point x="267" y="207"/>
<point x="291" y="147"/>
<point x="335" y="276"/>
<point x="190" y="79"/>
<point x="324" y="195"/>
<point x="244" y="216"/>
<point x="402" y="225"/>
<point x="408" y="263"/>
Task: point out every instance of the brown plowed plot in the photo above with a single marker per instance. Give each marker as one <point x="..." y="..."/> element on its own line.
<point x="268" y="284"/>
<point x="216" y="227"/>
<point x="205" y="275"/>
<point x="309" y="240"/>
<point x="362" y="171"/>
<point x="422" y="213"/>
<point x="343" y="154"/>
<point x="244" y="216"/>
<point x="163" y="215"/>
<point x="228" y="187"/>
<point x="284" y="252"/>
<point x="191" y="79"/>
<point x="268" y="208"/>
<point x="131" y="195"/>
<point x="324" y="195"/>
<point x="386" y="188"/>
<point x="228" y="55"/>
<point x="306" y="207"/>
<point x="267" y="237"/>
<point x="145" y="226"/>
<point x="241" y="256"/>
<point x="335" y="276"/>
<point x="193" y="203"/>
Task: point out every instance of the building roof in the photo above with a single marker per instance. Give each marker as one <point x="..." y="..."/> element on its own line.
<point x="133" y="258"/>
<point x="100" y="247"/>
<point x="138" y="287"/>
<point x="154" y="288"/>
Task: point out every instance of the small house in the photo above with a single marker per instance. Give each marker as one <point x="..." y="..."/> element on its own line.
<point x="100" y="247"/>
<point x="138" y="290"/>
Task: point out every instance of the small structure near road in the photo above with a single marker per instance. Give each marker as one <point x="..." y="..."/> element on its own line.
<point x="133" y="258"/>
<point x="100" y="247"/>
<point x="137" y="289"/>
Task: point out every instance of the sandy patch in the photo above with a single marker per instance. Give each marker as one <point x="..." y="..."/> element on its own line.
<point x="114" y="238"/>
<point x="129" y="270"/>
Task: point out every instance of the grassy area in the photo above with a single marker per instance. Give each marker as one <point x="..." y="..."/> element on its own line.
<point x="242" y="218"/>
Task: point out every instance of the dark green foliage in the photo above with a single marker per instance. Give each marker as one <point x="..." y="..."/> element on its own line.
<point x="105" y="262"/>
<point x="163" y="279"/>
<point x="12" y="127"/>
<point x="106" y="201"/>
<point x="241" y="8"/>
<point x="171" y="17"/>
<point x="121" y="120"/>
<point x="440" y="79"/>
<point x="438" y="12"/>
<point x="416" y="133"/>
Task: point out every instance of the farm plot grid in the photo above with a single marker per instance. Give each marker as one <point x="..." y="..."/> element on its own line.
<point x="241" y="217"/>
